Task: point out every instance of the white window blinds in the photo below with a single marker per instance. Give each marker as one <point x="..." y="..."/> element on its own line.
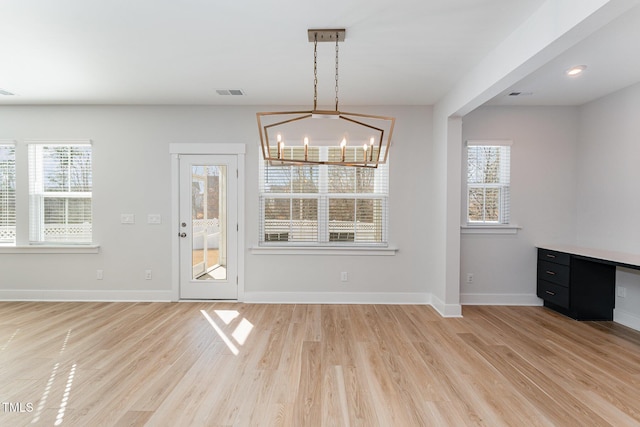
<point x="60" y="190"/>
<point x="323" y="205"/>
<point x="488" y="182"/>
<point x="7" y="192"/>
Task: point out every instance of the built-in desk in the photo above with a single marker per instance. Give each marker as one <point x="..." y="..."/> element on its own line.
<point x="580" y="282"/>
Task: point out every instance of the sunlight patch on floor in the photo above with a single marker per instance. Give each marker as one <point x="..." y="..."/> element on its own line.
<point x="221" y="334"/>
<point x="65" y="397"/>
<point x="227" y="315"/>
<point x="241" y="333"/>
<point x="45" y="394"/>
<point x="4" y="347"/>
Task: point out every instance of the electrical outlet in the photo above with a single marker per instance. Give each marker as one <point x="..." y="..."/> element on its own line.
<point x="469" y="277"/>
<point x="344" y="276"/>
<point x="99" y="275"/>
<point x="622" y="292"/>
<point x="147" y="275"/>
<point x="127" y="219"/>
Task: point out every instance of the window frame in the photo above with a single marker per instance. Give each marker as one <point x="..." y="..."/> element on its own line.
<point x="10" y="227"/>
<point x="503" y="186"/>
<point x="22" y="244"/>
<point x="39" y="195"/>
<point x="323" y="196"/>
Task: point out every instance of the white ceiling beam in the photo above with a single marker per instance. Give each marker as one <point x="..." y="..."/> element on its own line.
<point x="553" y="28"/>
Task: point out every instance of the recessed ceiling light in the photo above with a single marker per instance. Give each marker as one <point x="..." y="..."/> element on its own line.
<point x="576" y="71"/>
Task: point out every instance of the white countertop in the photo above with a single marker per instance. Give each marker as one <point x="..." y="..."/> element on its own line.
<point x="612" y="256"/>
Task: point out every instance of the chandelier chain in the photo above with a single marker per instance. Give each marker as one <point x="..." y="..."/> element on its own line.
<point x="315" y="72"/>
<point x="372" y="131"/>
<point x="337" y="71"/>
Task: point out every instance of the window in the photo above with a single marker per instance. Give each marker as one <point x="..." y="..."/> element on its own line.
<point x="7" y="193"/>
<point x="60" y="188"/>
<point x="323" y="205"/>
<point x="488" y="170"/>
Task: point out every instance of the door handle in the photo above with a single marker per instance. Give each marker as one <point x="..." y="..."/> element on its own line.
<point x="182" y="234"/>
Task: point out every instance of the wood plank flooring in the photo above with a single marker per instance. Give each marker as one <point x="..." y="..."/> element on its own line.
<point x="228" y="364"/>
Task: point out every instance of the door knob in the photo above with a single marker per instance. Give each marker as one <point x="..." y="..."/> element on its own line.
<point x="182" y="234"/>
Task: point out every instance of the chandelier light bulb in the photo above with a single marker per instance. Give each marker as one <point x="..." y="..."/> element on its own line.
<point x="280" y="150"/>
<point x="576" y="71"/>
<point x="371" y="141"/>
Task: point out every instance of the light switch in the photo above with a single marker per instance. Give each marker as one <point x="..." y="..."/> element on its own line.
<point x="154" y="219"/>
<point x="127" y="219"/>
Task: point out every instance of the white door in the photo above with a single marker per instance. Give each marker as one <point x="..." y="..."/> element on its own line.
<point x="208" y="227"/>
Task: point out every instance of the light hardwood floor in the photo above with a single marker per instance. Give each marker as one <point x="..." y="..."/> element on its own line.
<point x="225" y="364"/>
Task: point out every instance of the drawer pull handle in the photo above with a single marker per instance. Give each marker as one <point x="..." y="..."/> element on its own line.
<point x="550" y="272"/>
<point x="550" y="256"/>
<point x="550" y="293"/>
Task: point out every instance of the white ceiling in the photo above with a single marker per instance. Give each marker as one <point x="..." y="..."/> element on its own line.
<point x="611" y="60"/>
<point x="406" y="52"/>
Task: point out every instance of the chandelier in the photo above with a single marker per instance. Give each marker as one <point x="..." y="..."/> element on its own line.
<point x="353" y="139"/>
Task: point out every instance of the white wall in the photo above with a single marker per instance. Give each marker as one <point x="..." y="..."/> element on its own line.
<point x="410" y="215"/>
<point x="543" y="187"/>
<point x="132" y="174"/>
<point x="608" y="191"/>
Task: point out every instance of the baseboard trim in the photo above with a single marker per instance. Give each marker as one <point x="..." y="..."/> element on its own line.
<point x="500" y="299"/>
<point x="446" y="310"/>
<point x="630" y="320"/>
<point x="337" y="298"/>
<point x="82" y="295"/>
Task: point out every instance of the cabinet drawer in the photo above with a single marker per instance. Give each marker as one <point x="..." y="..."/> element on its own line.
<point x="553" y="256"/>
<point x="556" y="273"/>
<point x="558" y="295"/>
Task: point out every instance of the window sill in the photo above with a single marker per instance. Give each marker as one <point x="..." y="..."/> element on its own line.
<point x="315" y="250"/>
<point x="50" y="249"/>
<point x="489" y="229"/>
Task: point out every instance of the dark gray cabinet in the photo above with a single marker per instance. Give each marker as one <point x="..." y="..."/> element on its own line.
<point x="580" y="287"/>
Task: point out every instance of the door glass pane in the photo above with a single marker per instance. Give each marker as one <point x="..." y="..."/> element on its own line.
<point x="208" y="222"/>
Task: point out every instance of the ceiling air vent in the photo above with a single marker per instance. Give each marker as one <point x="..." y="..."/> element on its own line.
<point x="235" y="92"/>
<point x="520" y="93"/>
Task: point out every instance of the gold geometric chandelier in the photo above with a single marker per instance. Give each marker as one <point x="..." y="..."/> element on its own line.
<point x="352" y="139"/>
